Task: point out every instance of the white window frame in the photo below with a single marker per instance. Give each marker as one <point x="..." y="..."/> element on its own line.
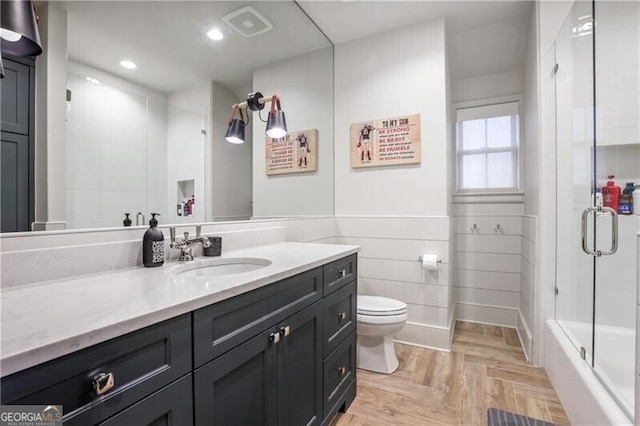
<point x="460" y="115"/>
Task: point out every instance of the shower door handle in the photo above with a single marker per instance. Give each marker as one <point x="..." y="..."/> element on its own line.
<point x="614" y="231"/>
<point x="585" y="237"/>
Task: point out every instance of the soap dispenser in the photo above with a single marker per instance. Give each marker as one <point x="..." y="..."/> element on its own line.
<point x="127" y="220"/>
<point x="153" y="244"/>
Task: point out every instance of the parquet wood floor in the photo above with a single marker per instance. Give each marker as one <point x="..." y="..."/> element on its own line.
<point x="485" y="368"/>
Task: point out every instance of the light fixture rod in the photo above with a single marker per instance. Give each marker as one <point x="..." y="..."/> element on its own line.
<point x="263" y="100"/>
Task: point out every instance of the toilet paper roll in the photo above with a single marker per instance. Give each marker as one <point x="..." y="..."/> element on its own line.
<point x="430" y="262"/>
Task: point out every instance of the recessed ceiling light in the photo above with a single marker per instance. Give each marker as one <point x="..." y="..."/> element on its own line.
<point x="215" y="34"/>
<point x="128" y="64"/>
<point x="92" y="80"/>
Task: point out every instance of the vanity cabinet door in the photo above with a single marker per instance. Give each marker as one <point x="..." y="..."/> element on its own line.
<point x="241" y="386"/>
<point x="17" y="145"/>
<point x="300" y="368"/>
<point x="15" y="96"/>
<point x="170" y="406"/>
<point x="274" y="378"/>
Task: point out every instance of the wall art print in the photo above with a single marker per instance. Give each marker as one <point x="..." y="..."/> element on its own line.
<point x="386" y="142"/>
<point x="295" y="153"/>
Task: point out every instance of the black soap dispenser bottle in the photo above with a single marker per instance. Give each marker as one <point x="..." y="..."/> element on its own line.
<point x="127" y="220"/>
<point x="153" y="244"/>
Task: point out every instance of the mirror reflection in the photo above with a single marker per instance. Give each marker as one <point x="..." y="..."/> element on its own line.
<point x="124" y="144"/>
<point x="149" y="90"/>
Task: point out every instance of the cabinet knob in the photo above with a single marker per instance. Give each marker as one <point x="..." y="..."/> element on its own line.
<point x="274" y="337"/>
<point x="342" y="315"/>
<point x="343" y="273"/>
<point x="285" y="331"/>
<point x="103" y="382"/>
<point x="342" y="370"/>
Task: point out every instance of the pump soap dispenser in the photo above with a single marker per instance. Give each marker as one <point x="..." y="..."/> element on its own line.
<point x="153" y="244"/>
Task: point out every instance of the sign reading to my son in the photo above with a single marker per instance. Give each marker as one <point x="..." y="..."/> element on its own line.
<point x="386" y="142"/>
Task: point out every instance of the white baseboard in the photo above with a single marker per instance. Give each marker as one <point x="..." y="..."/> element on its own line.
<point x="485" y="314"/>
<point x="49" y="226"/>
<point x="524" y="334"/>
<point x="425" y="336"/>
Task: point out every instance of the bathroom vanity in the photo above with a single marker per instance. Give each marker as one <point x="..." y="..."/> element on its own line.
<point x="271" y="346"/>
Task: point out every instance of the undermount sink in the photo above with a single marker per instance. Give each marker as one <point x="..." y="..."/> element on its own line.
<point x="221" y="266"/>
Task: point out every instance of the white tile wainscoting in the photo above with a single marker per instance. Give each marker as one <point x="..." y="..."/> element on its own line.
<point x="388" y="266"/>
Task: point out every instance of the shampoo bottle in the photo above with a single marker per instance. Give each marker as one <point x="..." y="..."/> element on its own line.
<point x="611" y="194"/>
<point x="153" y="244"/>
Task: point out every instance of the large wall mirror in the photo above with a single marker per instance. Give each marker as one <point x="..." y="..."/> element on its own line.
<point x="151" y="138"/>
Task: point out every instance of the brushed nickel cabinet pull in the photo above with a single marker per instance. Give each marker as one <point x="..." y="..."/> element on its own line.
<point x="343" y="273"/>
<point x="274" y="337"/>
<point x="285" y="331"/>
<point x="342" y="370"/>
<point x="103" y="383"/>
<point x="342" y="315"/>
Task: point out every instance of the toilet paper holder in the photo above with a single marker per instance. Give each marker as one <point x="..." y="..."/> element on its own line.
<point x="420" y="259"/>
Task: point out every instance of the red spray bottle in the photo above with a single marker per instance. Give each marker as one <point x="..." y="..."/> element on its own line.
<point x="611" y="194"/>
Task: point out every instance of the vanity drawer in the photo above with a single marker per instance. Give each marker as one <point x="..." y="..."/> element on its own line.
<point x="339" y="316"/>
<point x="224" y="325"/>
<point x="339" y="371"/>
<point x="172" y="405"/>
<point x="141" y="362"/>
<point x="339" y="272"/>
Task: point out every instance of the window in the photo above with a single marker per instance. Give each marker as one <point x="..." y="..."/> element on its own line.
<point x="488" y="139"/>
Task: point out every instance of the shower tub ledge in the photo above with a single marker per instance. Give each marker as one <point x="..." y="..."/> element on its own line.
<point x="583" y="397"/>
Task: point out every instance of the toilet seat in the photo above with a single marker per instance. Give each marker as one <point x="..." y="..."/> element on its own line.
<point x="376" y="306"/>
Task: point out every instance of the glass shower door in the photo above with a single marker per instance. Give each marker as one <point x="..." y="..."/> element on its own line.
<point x="618" y="153"/>
<point x="575" y="145"/>
<point x="597" y="135"/>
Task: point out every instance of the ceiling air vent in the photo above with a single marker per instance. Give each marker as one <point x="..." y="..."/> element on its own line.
<point x="247" y="21"/>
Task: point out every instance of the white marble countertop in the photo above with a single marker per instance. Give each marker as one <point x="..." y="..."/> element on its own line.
<point x="46" y="320"/>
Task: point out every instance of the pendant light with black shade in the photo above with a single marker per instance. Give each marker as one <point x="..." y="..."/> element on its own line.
<point x="19" y="34"/>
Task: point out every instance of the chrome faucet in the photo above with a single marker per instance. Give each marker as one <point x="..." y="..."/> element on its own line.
<point x="138" y="221"/>
<point x="185" y="245"/>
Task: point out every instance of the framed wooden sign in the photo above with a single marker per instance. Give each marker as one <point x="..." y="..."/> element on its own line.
<point x="295" y="153"/>
<point x="386" y="142"/>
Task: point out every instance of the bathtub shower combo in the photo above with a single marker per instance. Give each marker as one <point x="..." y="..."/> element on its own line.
<point x="594" y="84"/>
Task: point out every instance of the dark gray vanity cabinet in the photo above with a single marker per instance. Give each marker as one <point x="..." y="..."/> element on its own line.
<point x="339" y="336"/>
<point x="17" y="144"/>
<point x="280" y="355"/>
<point x="137" y="365"/>
<point x="275" y="378"/>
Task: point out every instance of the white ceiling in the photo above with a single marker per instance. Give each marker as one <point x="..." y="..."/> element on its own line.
<point x="347" y="20"/>
<point x="167" y="38"/>
<point x="491" y="49"/>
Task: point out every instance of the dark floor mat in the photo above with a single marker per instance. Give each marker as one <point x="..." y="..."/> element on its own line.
<point x="505" y="418"/>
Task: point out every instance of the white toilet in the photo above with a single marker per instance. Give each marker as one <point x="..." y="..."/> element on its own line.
<point x="379" y="318"/>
